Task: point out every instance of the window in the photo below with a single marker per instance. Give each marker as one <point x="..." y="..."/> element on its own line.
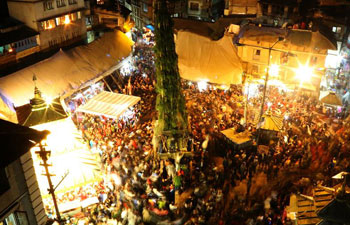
<point x="284" y="58"/>
<point x="49" y="24"/>
<point x="48" y="5"/>
<point x="255" y="69"/>
<point x="313" y="61"/>
<point x="265" y="9"/>
<point x="60" y="3"/>
<point x="22" y="218"/>
<point x="278" y="9"/>
<point x="73" y="16"/>
<point x="16" y="218"/>
<point x="336" y="30"/>
<point x="72" y="2"/>
<point x="194" y="6"/>
<point x="256" y="55"/>
<point x="145" y="7"/>
<point x="79" y="15"/>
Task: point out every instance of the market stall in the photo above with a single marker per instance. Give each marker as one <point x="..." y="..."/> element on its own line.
<point x="109" y="104"/>
<point x="239" y="140"/>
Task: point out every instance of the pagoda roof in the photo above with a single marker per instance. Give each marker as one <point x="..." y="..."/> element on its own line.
<point x="29" y="116"/>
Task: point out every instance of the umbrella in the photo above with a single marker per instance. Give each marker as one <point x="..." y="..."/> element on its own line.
<point x="331" y="99"/>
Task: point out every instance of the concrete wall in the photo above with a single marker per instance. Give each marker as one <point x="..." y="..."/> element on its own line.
<point x="24" y="12"/>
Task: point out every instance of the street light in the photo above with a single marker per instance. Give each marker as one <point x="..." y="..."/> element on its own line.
<point x="304" y="73"/>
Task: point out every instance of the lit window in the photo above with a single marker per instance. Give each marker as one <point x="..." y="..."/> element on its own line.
<point x="145" y="7"/>
<point x="66" y="19"/>
<point x="336" y="30"/>
<point x="194" y="6"/>
<point x="73" y="16"/>
<point x="58" y="21"/>
<point x="72" y="2"/>
<point x="79" y="15"/>
<point x="48" y="24"/>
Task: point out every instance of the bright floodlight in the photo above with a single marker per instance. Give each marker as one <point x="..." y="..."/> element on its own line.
<point x="274" y="70"/>
<point x="202" y="85"/>
<point x="48" y="100"/>
<point x="304" y="73"/>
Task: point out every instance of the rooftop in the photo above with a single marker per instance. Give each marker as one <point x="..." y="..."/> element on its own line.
<point x="16" y="140"/>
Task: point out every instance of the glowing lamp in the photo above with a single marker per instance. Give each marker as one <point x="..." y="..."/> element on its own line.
<point x="304" y="73"/>
<point x="48" y="100"/>
<point x="202" y="85"/>
<point x="11" y="50"/>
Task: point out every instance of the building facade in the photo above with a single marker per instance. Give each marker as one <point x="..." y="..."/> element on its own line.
<point x="16" y="41"/>
<point x="207" y="10"/>
<point x="333" y="18"/>
<point x="241" y="7"/>
<point x="299" y="57"/>
<point x="20" y="197"/>
<point x="276" y="13"/>
<point x="58" y="22"/>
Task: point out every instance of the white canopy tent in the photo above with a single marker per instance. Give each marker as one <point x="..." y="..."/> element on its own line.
<point x="200" y="58"/>
<point x="67" y="71"/>
<point x="69" y="154"/>
<point x="109" y="104"/>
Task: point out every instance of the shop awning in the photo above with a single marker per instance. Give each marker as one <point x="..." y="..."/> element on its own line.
<point x="109" y="104"/>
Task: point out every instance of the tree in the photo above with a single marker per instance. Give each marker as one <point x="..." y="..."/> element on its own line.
<point x="171" y="126"/>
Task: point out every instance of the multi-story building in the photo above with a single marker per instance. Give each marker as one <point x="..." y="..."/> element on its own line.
<point x="20" y="197"/>
<point x="277" y="13"/>
<point x="301" y="54"/>
<point x="58" y="22"/>
<point x="208" y="10"/>
<point x="16" y="41"/>
<point x="332" y="17"/>
<point x="241" y="7"/>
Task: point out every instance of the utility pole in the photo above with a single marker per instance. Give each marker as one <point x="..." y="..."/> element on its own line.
<point x="44" y="154"/>
<point x="265" y="86"/>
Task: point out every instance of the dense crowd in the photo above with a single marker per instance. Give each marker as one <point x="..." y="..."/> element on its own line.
<point x="138" y="189"/>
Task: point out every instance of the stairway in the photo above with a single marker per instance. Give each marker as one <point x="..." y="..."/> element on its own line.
<point x="322" y="196"/>
<point x="306" y="214"/>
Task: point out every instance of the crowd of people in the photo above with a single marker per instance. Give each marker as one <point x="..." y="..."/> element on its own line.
<point x="139" y="189"/>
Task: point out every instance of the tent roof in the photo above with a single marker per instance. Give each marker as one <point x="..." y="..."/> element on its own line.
<point x="109" y="104"/>
<point x="67" y="71"/>
<point x="331" y="99"/>
<point x="271" y="122"/>
<point x="200" y="58"/>
<point x="237" y="138"/>
<point x="16" y="140"/>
